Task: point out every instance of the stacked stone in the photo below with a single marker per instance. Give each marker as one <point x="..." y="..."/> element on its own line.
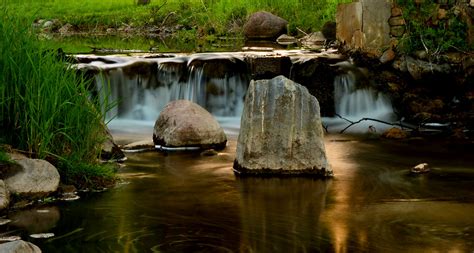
<point x="397" y="22"/>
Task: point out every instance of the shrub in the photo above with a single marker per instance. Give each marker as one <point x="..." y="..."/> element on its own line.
<point x="426" y="32"/>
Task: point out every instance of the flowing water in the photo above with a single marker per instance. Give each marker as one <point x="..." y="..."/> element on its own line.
<point x="186" y="202"/>
<point x="354" y="103"/>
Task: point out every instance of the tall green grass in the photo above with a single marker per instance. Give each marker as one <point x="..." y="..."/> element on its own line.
<point x="45" y="108"/>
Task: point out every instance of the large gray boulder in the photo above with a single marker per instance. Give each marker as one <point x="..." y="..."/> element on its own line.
<point x="183" y="123"/>
<point x="19" y="246"/>
<point x="4" y="196"/>
<point x="33" y="177"/>
<point x="263" y="25"/>
<point x="281" y="131"/>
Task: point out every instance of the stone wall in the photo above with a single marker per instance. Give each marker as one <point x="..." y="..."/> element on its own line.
<point x="363" y="25"/>
<point x="375" y="25"/>
<point x="463" y="8"/>
<point x="425" y="83"/>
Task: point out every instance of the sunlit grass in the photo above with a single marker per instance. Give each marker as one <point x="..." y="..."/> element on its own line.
<point x="308" y="15"/>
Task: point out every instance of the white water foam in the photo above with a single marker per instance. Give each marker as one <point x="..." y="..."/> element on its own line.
<point x="353" y="104"/>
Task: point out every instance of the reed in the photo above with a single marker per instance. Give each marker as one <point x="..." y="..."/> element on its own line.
<point x="45" y="108"/>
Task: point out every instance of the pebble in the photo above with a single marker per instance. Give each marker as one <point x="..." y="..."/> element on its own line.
<point x="10" y="238"/>
<point x="4" y="221"/>
<point x="42" y="235"/>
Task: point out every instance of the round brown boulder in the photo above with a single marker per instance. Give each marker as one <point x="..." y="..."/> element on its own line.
<point x="183" y="123"/>
<point x="263" y="25"/>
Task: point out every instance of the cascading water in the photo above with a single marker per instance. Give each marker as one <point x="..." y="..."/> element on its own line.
<point x="218" y="82"/>
<point x="143" y="97"/>
<point x="143" y="87"/>
<point x="353" y="104"/>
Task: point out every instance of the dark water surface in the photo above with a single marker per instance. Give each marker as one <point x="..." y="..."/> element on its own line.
<point x="191" y="203"/>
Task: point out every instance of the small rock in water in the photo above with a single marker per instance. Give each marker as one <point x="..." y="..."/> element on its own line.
<point x="395" y="133"/>
<point x="4" y="221"/>
<point x="42" y="235"/>
<point x="69" y="197"/>
<point x="209" y="152"/>
<point x="139" y="146"/>
<point x="10" y="238"/>
<point x="420" y="168"/>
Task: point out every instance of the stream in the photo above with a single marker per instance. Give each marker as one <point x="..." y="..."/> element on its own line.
<point x="188" y="202"/>
<point x="185" y="202"/>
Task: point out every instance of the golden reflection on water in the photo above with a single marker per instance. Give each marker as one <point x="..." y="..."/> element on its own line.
<point x="281" y="215"/>
<point x="344" y="170"/>
<point x="359" y="220"/>
<point x="186" y="202"/>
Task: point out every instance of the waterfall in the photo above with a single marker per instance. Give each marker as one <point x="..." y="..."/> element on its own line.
<point x="142" y="96"/>
<point x="353" y="103"/>
<point x="142" y="87"/>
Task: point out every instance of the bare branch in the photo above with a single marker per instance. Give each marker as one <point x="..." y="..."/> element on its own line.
<point x="326" y="128"/>
<point x="370" y="119"/>
<point x="297" y="28"/>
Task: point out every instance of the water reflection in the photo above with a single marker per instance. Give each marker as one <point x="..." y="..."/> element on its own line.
<point x="185" y="202"/>
<point x="281" y="215"/>
<point x="36" y="220"/>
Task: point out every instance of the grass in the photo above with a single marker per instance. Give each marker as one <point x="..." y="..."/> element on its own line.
<point x="45" y="108"/>
<point x="201" y="19"/>
<point x="4" y="158"/>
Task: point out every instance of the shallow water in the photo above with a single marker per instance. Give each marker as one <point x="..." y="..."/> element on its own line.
<point x="185" y="202"/>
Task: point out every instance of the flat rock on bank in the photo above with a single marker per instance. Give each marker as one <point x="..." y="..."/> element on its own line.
<point x="183" y="123"/>
<point x="281" y="131"/>
<point x="32" y="177"/>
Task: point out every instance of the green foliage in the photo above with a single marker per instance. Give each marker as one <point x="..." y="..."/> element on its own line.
<point x="426" y="32"/>
<point x="4" y="158"/>
<point x="45" y="108"/>
<point x="87" y="175"/>
<point x="206" y="17"/>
